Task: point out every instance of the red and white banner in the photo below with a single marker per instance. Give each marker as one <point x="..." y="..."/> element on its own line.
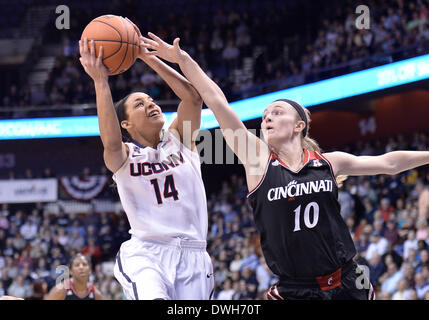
<point x="83" y="188"/>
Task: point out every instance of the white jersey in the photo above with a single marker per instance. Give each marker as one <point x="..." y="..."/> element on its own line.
<point x="162" y="191"/>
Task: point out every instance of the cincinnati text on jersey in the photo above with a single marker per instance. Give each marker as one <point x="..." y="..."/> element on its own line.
<point x="294" y="189"/>
<point x="149" y="168"/>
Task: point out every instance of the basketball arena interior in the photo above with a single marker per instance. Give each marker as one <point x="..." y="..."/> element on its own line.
<point x="363" y="73"/>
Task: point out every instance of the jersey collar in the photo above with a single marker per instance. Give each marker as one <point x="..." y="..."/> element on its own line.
<point x="163" y="138"/>
<point x="307" y="157"/>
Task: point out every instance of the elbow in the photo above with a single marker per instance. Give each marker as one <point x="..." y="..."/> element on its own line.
<point x="392" y="169"/>
<point x="193" y="97"/>
<point x="196" y="99"/>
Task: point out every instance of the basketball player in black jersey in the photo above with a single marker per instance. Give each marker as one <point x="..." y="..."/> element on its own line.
<point x="293" y="190"/>
<point x="78" y="287"/>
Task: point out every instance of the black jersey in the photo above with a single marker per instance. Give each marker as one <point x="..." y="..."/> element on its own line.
<point x="71" y="293"/>
<point x="297" y="214"/>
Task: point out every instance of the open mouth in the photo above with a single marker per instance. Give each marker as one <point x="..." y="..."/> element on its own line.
<point x="154" y="113"/>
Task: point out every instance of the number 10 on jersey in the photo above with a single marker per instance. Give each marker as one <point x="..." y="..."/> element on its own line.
<point x="169" y="189"/>
<point x="309" y="224"/>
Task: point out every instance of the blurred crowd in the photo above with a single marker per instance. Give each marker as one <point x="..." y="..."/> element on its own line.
<point x="387" y="217"/>
<point x="245" y="54"/>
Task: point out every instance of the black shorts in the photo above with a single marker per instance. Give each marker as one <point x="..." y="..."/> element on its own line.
<point x="351" y="286"/>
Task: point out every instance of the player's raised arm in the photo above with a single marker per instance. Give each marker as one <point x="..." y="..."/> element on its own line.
<point x="233" y="128"/>
<point x="115" y="151"/>
<point x="189" y="109"/>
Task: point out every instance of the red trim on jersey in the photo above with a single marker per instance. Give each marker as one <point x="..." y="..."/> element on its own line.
<point x="276" y="293"/>
<point x="307" y="157"/>
<point x="269" y="295"/>
<point x="314" y="155"/>
<point x="330" y="281"/>
<point x="263" y="177"/>
<point x="273" y="294"/>
<point x="89" y="285"/>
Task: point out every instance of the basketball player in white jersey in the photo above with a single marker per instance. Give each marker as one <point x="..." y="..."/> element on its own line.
<point x="159" y="181"/>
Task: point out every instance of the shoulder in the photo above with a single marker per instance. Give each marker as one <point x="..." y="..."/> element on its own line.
<point x="98" y="295"/>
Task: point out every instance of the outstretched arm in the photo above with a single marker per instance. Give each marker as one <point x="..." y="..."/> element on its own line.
<point x="115" y="151"/>
<point x="235" y="132"/>
<point x="389" y="163"/>
<point x="189" y="109"/>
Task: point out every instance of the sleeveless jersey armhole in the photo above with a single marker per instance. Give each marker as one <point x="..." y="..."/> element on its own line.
<point x="263" y="177"/>
<point x="194" y="154"/>
<point x="126" y="159"/>
<point x="330" y="167"/>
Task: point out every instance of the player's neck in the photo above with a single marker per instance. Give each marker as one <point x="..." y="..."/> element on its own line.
<point x="151" y="141"/>
<point x="80" y="285"/>
<point x="292" y="154"/>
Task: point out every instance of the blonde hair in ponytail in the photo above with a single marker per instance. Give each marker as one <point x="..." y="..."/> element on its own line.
<point x="312" y="145"/>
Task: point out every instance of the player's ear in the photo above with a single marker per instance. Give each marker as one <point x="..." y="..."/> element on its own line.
<point x="125" y="124"/>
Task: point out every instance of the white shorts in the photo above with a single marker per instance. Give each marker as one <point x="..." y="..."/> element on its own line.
<point x="176" y="270"/>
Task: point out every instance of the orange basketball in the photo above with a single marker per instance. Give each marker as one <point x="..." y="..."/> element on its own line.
<point x="119" y="40"/>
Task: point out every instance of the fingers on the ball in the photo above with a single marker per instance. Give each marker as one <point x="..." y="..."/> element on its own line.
<point x="92" y="48"/>
<point x="85" y="45"/>
<point x="100" y="54"/>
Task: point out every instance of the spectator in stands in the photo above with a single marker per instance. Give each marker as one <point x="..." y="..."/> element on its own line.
<point x="92" y="250"/>
<point x="389" y="280"/>
<point x="421" y="285"/>
<point x="378" y="245"/>
<point x="76" y="241"/>
<point x="403" y="292"/>
<point x="424" y="260"/>
<point x="410" y="243"/>
<point x="422" y="230"/>
<point x="376" y="268"/>
<point x="391" y="233"/>
<point x="19" y="289"/>
<point x="227" y="291"/>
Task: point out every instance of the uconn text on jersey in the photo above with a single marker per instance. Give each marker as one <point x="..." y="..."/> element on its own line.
<point x="149" y="168"/>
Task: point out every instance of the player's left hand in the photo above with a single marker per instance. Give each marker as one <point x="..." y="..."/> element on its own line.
<point x="168" y="52"/>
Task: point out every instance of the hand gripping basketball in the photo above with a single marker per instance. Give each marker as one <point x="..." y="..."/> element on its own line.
<point x="93" y="65"/>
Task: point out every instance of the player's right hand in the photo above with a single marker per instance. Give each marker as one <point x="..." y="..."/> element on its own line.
<point x="93" y="65"/>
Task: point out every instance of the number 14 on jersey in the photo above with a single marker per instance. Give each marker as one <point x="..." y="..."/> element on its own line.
<point x="169" y="189"/>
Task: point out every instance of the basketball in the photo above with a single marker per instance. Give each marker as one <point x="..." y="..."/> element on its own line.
<point x="118" y="38"/>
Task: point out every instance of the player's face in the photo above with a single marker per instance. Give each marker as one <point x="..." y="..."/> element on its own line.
<point x="80" y="268"/>
<point x="278" y="122"/>
<point x="143" y="113"/>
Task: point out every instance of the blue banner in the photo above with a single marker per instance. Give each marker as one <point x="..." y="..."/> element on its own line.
<point x="349" y="85"/>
